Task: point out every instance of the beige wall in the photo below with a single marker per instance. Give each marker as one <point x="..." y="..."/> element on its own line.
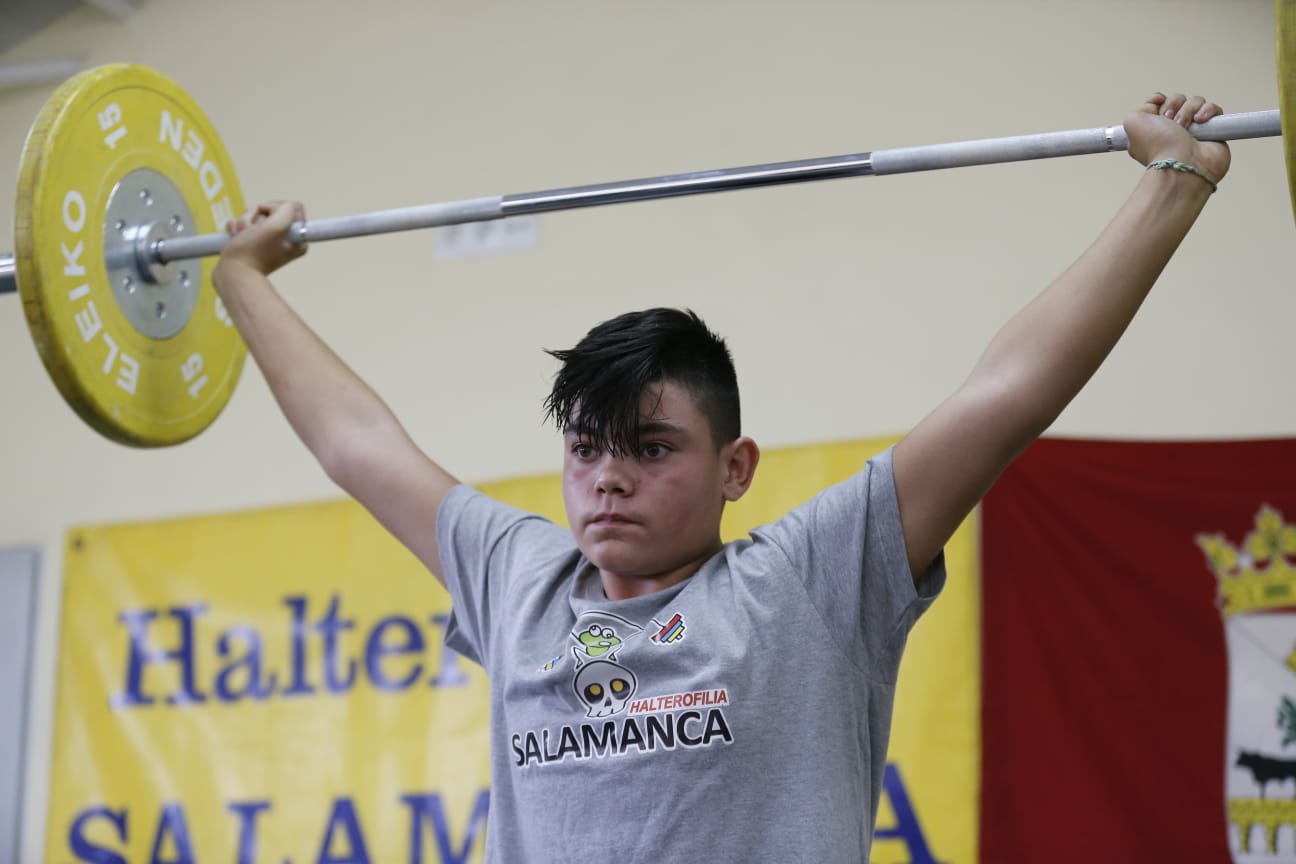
<point x="852" y="307"/>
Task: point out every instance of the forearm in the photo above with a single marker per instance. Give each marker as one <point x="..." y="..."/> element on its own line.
<point x="326" y="403"/>
<point x="1040" y="359"/>
<point x="1044" y="355"/>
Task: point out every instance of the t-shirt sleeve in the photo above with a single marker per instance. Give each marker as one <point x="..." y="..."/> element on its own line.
<point x="847" y="547"/>
<point x="488" y="548"/>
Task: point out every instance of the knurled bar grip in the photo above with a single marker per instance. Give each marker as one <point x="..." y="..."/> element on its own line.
<point x="337" y="227"/>
<point x="1047" y="145"/>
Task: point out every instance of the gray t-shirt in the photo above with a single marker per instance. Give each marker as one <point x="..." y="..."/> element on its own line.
<point x="742" y="715"/>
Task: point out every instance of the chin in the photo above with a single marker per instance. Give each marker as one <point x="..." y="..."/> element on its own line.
<point x="622" y="565"/>
<point x="622" y="562"/>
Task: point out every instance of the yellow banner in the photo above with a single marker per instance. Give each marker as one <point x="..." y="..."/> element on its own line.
<point x="271" y="686"/>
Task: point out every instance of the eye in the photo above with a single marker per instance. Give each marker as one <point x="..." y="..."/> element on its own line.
<point x="654" y="450"/>
<point x="583" y="450"/>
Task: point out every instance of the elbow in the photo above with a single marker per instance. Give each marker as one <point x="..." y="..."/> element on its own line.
<point x="1027" y="393"/>
<point x="346" y="456"/>
<point x="1015" y="411"/>
<point x="339" y="463"/>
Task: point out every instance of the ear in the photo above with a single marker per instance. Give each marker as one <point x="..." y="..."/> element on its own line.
<point x="740" y="459"/>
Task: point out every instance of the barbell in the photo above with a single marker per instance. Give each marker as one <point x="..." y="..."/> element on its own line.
<point x="124" y="187"/>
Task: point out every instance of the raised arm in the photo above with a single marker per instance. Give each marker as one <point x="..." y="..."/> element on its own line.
<point x="1041" y="358"/>
<point x="351" y="431"/>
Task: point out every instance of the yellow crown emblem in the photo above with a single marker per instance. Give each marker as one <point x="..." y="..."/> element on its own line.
<point x="1259" y="575"/>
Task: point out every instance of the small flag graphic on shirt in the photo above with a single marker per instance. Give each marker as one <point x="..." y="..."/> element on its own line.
<point x="670" y="632"/>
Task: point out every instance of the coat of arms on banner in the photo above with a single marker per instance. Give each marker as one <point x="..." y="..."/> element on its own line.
<point x="1257" y="584"/>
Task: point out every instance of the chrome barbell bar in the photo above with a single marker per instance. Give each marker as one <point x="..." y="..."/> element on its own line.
<point x="987" y="151"/>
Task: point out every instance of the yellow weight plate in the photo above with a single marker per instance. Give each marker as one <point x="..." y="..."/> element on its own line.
<point x="146" y="362"/>
<point x="1285" y="15"/>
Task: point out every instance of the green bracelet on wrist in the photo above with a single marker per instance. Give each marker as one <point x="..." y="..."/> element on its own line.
<point x="1183" y="168"/>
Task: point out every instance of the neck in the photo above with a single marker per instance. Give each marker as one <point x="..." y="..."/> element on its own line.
<point x="618" y="586"/>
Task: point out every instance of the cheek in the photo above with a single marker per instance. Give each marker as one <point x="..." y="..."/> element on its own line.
<point x="570" y="484"/>
<point x="692" y="500"/>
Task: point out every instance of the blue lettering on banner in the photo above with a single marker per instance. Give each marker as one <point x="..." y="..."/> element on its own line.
<point x="429" y="806"/>
<point x="326" y="654"/>
<point x="172" y="830"/>
<point x="409" y="641"/>
<point x="342" y="839"/>
<point x="247" y="813"/>
<point x="344" y="829"/>
<point x="906" y="828"/>
<point x="140" y="654"/>
<point x="89" y="852"/>
<point x="249" y="665"/>
<point x="343" y="818"/>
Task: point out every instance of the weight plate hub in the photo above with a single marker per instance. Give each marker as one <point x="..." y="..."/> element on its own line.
<point x="119" y="157"/>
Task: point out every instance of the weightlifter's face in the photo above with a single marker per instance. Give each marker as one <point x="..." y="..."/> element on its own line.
<point x="650" y="519"/>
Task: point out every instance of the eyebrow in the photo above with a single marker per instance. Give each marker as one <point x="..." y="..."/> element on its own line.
<point x="660" y="427"/>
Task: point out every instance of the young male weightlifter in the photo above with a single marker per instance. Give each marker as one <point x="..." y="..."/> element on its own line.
<point x="612" y="737"/>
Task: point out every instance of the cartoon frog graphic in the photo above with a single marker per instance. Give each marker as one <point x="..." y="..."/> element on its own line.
<point x="597" y="640"/>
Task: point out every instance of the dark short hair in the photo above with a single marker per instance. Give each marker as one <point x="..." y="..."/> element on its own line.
<point x="598" y="388"/>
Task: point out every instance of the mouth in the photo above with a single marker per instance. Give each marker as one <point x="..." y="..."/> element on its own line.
<point x="610" y="519"/>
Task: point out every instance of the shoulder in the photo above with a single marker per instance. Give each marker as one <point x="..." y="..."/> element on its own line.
<point x="469" y="516"/>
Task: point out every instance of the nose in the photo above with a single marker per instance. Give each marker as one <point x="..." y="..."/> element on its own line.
<point x="614" y="476"/>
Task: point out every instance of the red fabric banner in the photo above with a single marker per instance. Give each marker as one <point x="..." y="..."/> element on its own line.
<point x="1105" y="664"/>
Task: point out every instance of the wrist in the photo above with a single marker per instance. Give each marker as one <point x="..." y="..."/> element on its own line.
<point x="1180" y="166"/>
<point x="232" y="271"/>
